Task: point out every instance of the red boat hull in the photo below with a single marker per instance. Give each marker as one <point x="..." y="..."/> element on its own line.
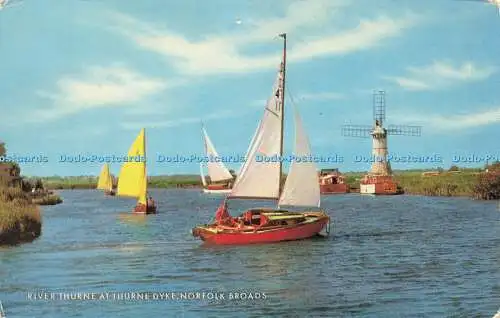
<point x="217" y="187"/>
<point x="378" y="185"/>
<point x="298" y="232"/>
<point x="145" y="209"/>
<point x="334" y="188"/>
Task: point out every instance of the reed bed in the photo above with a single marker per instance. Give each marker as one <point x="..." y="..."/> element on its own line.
<point x="461" y="184"/>
<point x="20" y="220"/>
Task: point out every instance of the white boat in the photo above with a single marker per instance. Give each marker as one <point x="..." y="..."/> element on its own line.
<point x="220" y="177"/>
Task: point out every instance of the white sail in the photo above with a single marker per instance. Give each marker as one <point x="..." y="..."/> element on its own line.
<point x="216" y="170"/>
<point x="261" y="179"/>
<point x="302" y="183"/>
<point x="202" y="174"/>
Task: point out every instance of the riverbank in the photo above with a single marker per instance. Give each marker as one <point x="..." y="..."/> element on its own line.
<point x="20" y="219"/>
<point x="89" y="182"/>
<point x="48" y="198"/>
<point x="462" y="183"/>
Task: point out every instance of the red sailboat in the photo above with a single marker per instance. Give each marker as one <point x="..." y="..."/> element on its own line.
<point x="263" y="180"/>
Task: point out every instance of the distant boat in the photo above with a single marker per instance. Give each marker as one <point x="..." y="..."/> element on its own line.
<point x="263" y="180"/>
<point x="133" y="176"/>
<point x="105" y="181"/>
<point x="331" y="182"/>
<point x="220" y="177"/>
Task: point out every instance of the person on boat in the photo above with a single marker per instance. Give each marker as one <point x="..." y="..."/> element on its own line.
<point x="247" y="218"/>
<point x="222" y="215"/>
<point x="151" y="202"/>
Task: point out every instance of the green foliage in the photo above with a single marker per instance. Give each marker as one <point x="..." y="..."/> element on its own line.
<point x="488" y="184"/>
<point x="454" y="168"/>
<point x="441" y="185"/>
<point x="85" y="182"/>
<point x="39" y="184"/>
<point x="3" y="150"/>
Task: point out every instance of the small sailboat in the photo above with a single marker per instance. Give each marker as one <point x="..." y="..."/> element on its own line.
<point x="220" y="177"/>
<point x="263" y="180"/>
<point x="105" y="181"/>
<point x="133" y="176"/>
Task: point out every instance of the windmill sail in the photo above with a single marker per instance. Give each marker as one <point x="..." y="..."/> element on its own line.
<point x="262" y="179"/>
<point x="302" y="183"/>
<point x="105" y="181"/>
<point x="133" y="179"/>
<point x="216" y="170"/>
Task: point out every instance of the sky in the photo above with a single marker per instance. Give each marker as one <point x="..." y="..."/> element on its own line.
<point x="82" y="77"/>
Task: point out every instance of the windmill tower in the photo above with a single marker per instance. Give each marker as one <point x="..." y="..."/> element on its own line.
<point x="379" y="179"/>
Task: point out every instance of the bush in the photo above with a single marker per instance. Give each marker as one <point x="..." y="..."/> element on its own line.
<point x="488" y="184"/>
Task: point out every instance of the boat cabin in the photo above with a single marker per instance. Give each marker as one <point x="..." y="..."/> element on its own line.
<point x="271" y="217"/>
<point x="331" y="176"/>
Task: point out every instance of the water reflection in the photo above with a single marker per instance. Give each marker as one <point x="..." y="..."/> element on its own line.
<point x="133" y="219"/>
<point x="387" y="257"/>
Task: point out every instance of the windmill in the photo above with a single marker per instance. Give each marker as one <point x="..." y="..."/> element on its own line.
<point x="379" y="179"/>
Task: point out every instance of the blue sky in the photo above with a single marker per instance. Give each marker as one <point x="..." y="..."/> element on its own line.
<point x="82" y="77"/>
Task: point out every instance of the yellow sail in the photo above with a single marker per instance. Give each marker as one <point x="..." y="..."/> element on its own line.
<point x="105" y="181"/>
<point x="132" y="181"/>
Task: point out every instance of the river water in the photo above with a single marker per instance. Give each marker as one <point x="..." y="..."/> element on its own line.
<point x="388" y="256"/>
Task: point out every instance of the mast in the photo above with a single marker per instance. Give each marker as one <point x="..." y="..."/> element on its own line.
<point x="283" y="66"/>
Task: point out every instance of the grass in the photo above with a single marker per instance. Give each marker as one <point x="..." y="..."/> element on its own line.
<point x="20" y="220"/>
<point x="461" y="183"/>
<point x="89" y="182"/>
<point x="79" y="182"/>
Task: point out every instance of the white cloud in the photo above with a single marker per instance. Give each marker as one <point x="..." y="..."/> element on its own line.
<point x="217" y="54"/>
<point x="182" y="121"/>
<point x="451" y="122"/>
<point x="114" y="86"/>
<point x="442" y="74"/>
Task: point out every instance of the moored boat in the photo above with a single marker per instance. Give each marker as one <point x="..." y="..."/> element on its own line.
<point x="133" y="177"/>
<point x="332" y="182"/>
<point x="259" y="180"/>
<point x="105" y="181"/>
<point x="221" y="179"/>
